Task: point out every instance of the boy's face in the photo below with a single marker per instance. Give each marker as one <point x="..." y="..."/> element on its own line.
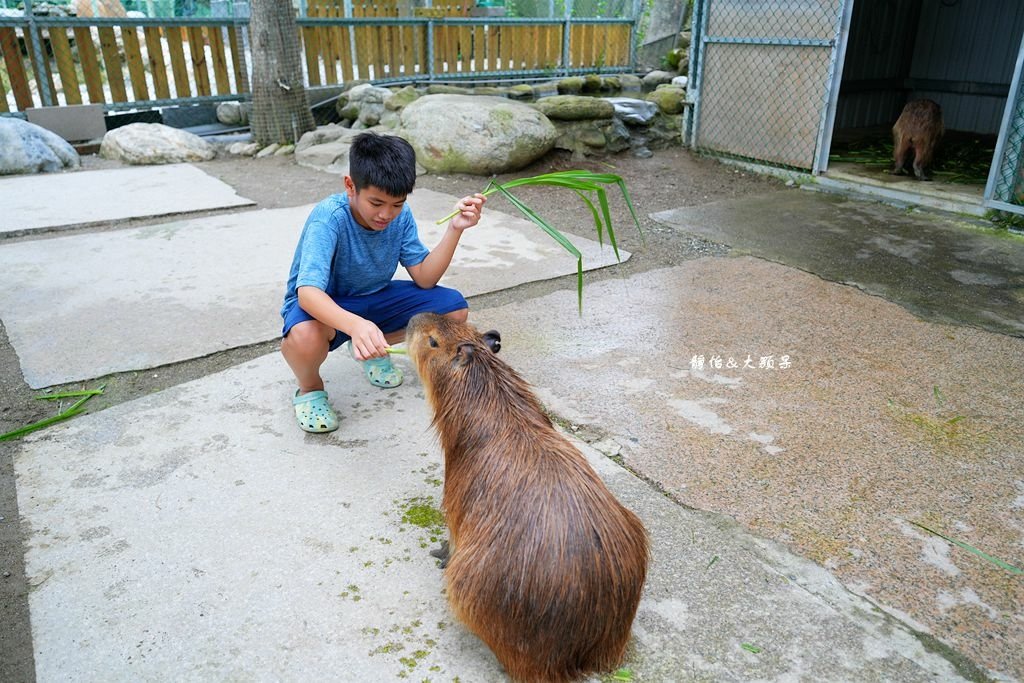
<point x="372" y="208"/>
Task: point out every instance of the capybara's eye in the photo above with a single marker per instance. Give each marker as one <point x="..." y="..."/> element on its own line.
<point x="433" y="342"/>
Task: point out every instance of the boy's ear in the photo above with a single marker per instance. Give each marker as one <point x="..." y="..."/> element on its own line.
<point x="350" y="185"/>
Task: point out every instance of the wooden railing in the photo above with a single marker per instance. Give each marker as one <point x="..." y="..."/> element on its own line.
<point x="128" y="62"/>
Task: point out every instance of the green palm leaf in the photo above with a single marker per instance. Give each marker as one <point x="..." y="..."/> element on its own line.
<point x="582" y="183"/>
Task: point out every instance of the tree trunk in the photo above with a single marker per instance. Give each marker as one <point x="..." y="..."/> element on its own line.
<point x="280" y="111"/>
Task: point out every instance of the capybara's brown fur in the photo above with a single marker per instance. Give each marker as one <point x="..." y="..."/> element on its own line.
<point x="545" y="565"/>
<point x="915" y="136"/>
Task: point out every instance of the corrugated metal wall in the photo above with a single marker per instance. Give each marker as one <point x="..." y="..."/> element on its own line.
<point x="959" y="53"/>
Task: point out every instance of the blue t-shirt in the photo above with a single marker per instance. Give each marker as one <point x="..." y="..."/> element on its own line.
<point x="342" y="258"/>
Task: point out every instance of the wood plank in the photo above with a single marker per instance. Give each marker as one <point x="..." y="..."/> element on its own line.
<point x="311" y="51"/>
<point x="31" y="63"/>
<point x="88" y="60"/>
<point x="182" y="87"/>
<point x="65" y="65"/>
<point x="133" y="56"/>
<point x="197" y="49"/>
<point x="464" y="49"/>
<point x="331" y="42"/>
<point x="576" y="45"/>
<point x="155" y="58"/>
<point x="238" y="59"/>
<point x="220" y="60"/>
<point x="112" y="61"/>
<point x="493" y="47"/>
<point x="4" y="107"/>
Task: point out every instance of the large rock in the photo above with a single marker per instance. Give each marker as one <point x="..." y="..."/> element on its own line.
<point x="154" y="143"/>
<point x="369" y="101"/>
<point x="670" y="99"/>
<point x="326" y="148"/>
<point x="476" y="134"/>
<point x="234" y="113"/>
<point x="574" y="108"/>
<point x="632" y="111"/>
<point x="28" y="148"/>
<point x="658" y="77"/>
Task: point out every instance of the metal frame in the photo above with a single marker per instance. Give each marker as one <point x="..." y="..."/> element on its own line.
<point x="828" y="119"/>
<point x="1005" y="150"/>
<point x="698" y="48"/>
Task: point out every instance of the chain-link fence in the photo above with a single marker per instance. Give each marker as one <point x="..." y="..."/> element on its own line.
<point x="763" y="69"/>
<point x="1006" y="189"/>
<point x="146" y="53"/>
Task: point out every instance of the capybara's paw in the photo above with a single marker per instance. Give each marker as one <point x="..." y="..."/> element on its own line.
<point x="441" y="553"/>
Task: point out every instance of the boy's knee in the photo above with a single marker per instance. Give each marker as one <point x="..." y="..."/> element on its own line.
<point x="459" y="316"/>
<point x="310" y="335"/>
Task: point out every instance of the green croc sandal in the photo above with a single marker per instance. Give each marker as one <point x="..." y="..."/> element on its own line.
<point x="379" y="371"/>
<point x="314" y="413"/>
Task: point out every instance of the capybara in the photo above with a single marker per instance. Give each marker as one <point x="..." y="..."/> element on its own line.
<point x="915" y="135"/>
<point x="545" y="565"/>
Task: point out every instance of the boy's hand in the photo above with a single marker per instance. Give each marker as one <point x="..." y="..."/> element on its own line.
<point x="368" y="341"/>
<point x="469" y="209"/>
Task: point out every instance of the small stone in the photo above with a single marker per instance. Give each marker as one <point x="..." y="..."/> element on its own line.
<point x="268" y="150"/>
<point x="284" y="150"/>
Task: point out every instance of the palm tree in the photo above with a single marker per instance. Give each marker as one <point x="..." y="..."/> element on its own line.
<point x="280" y="111"/>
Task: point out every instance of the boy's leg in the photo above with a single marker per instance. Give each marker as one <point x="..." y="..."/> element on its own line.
<point x="305" y="347"/>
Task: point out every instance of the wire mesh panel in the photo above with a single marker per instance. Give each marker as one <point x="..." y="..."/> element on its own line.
<point x="1005" y="188"/>
<point x="764" y="69"/>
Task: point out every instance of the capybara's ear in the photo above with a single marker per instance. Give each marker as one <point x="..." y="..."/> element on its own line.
<point x="493" y="340"/>
<point x="464" y="355"/>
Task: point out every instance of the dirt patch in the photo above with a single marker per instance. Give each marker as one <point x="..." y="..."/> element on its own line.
<point x="671" y="178"/>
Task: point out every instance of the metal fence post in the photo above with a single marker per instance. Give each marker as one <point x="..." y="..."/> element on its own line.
<point x="634" y="33"/>
<point x="430" y="49"/>
<point x="38" y="61"/>
<point x="566" y="31"/>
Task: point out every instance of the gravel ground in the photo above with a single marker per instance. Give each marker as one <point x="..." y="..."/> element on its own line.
<point x="671" y="178"/>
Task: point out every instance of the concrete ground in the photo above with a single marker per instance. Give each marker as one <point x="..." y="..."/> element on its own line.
<point x="197" y="534"/>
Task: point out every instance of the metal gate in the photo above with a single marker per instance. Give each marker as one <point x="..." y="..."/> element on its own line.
<point x="1005" y="188"/>
<point x="765" y="75"/>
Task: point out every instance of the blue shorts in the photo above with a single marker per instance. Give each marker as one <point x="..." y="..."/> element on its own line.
<point x="389" y="309"/>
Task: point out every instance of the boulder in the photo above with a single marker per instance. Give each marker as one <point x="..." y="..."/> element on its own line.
<point x="630" y="83"/>
<point x="632" y="111"/>
<point x="234" y="113"/>
<point x="591" y="137"/>
<point x="591" y="83"/>
<point x="441" y="89"/>
<point x="475" y="134"/>
<point x="656" y="78"/>
<point x="326" y="148"/>
<point x="402" y="98"/>
<point x="368" y="102"/>
<point x="575" y="108"/>
<point x="670" y="99"/>
<point x="521" y="91"/>
<point x="28" y="148"/>
<point x="572" y="85"/>
<point x="154" y="143"/>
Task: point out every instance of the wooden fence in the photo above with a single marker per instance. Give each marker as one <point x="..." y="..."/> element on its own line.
<point x="126" y="62"/>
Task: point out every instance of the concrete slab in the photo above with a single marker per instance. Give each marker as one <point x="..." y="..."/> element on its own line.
<point x="940" y="268"/>
<point x="55" y="200"/>
<point x="198" y="534"/>
<point x="83" y="306"/>
<point x="853" y="421"/>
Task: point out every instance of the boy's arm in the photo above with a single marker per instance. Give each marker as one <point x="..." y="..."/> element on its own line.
<point x="367" y="339"/>
<point x="428" y="272"/>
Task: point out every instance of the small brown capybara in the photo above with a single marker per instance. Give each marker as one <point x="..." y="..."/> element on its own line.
<point x="915" y="135"/>
<point x="544" y="565"/>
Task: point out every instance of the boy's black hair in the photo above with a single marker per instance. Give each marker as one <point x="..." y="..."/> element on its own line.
<point x="386" y="162"/>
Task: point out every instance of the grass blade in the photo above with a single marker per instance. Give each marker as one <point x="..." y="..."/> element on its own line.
<point x="69" y="394"/>
<point x="970" y="548"/>
<point x="597" y="218"/>
<point x="27" y="429"/>
<point x="75" y="409"/>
